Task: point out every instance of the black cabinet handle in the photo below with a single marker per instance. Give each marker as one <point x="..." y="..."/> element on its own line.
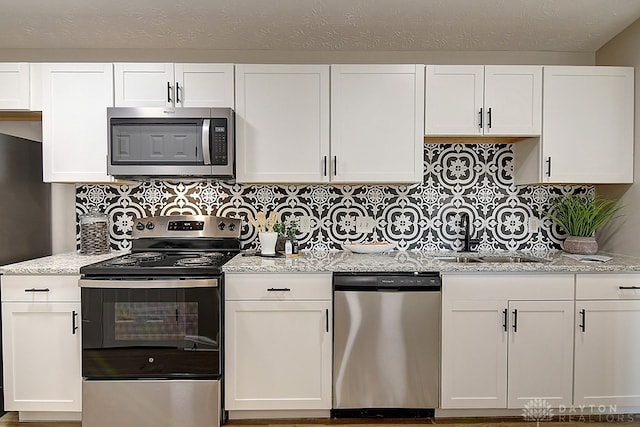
<point x="278" y="289"/>
<point x="177" y="93"/>
<point x="515" y="320"/>
<point x="324" y="166"/>
<point x="74" y="327"/>
<point x="583" y="317"/>
<point x="548" y="161"/>
<point x="37" y="290"/>
<point x="489" y="118"/>
<point x="326" y="310"/>
<point x="480" y="114"/>
<point x="504" y="319"/>
<point x="335" y="165"/>
<point x="628" y="287"/>
<point x="169" y="92"/>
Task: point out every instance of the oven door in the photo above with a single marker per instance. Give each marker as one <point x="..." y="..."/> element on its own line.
<point x="151" y="332"/>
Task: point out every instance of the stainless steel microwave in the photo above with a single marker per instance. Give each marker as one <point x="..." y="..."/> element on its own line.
<point x="171" y="143"/>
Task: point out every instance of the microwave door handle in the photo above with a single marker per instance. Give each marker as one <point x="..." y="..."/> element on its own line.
<point x="206" y="144"/>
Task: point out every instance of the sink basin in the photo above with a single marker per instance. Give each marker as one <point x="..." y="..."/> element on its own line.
<point x="461" y="259"/>
<point x="489" y="259"/>
<point x="508" y="259"/>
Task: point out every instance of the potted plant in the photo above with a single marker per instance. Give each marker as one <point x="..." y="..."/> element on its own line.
<point x="286" y="231"/>
<point x="580" y="216"/>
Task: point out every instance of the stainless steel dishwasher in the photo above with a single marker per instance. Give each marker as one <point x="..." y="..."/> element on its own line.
<point x="386" y="344"/>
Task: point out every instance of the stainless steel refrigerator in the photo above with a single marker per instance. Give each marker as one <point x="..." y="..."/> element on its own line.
<point x="25" y="206"/>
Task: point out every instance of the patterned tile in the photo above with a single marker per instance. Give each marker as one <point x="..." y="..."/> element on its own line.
<point x="472" y="178"/>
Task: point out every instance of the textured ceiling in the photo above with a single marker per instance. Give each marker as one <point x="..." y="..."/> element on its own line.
<point x="380" y="25"/>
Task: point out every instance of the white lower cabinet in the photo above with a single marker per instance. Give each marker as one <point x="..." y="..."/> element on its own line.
<point x="506" y="339"/>
<point x="41" y="343"/>
<point x="278" y="342"/>
<point x="607" y="340"/>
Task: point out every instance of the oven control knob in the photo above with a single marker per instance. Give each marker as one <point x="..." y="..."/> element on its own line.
<point x="151" y="360"/>
<point x="150" y="226"/>
<point x="140" y="226"/>
<point x="232" y="227"/>
<point x="221" y="226"/>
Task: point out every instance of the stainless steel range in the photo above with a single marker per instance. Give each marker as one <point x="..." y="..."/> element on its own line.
<point x="151" y="325"/>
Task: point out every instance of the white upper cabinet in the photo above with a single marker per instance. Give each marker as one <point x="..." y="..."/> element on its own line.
<point x="75" y="98"/>
<point x="173" y="85"/>
<point x="476" y="100"/>
<point x="15" y="93"/>
<point x="454" y="96"/>
<point x="377" y="127"/>
<point x="512" y="100"/>
<point x="587" y="134"/>
<point x="282" y="123"/>
<point x="588" y="124"/>
<point x="283" y="132"/>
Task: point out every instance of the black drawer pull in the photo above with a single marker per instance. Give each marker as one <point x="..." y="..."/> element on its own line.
<point x="628" y="287"/>
<point x="37" y="290"/>
<point x="278" y="290"/>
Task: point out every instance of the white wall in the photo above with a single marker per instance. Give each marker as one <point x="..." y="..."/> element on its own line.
<point x="63" y="195"/>
<point x="623" y="235"/>
<point x="295" y="57"/>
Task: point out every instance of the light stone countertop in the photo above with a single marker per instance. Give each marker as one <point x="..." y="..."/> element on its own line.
<point x="66" y="263"/>
<point x="408" y="261"/>
<point x="345" y="261"/>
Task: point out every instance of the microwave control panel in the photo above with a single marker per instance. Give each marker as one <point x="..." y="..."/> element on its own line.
<point x="219" y="146"/>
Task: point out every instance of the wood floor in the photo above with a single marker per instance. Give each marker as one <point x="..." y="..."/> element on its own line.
<point x="11" y="420"/>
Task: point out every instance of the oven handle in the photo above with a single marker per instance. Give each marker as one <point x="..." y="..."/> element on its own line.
<point x="151" y="283"/>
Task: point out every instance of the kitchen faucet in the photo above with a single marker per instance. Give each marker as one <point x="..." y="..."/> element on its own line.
<point x="468" y="241"/>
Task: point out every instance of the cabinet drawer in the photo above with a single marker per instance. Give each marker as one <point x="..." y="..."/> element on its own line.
<point x="608" y="286"/>
<point x="277" y="286"/>
<point x="34" y="288"/>
<point x="523" y="286"/>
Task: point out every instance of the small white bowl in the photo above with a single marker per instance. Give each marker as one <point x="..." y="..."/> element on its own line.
<point x="368" y="249"/>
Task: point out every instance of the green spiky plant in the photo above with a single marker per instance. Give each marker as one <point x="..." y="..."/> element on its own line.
<point x="580" y="215"/>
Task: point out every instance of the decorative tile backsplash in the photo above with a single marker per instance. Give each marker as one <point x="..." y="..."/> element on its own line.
<point x="472" y="178"/>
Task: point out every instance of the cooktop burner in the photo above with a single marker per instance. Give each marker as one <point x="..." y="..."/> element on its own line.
<point x="146" y="256"/>
<point x="201" y="260"/>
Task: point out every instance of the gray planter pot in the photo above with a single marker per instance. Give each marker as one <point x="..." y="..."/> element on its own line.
<point x="580" y="245"/>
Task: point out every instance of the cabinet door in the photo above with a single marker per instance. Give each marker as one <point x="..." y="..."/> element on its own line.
<point x="540" y="352"/>
<point x="607" y="352"/>
<point x="474" y="354"/>
<point x="75" y="98"/>
<point x="377" y="125"/>
<point x="278" y="355"/>
<point x="282" y="123"/>
<point x="512" y="100"/>
<point x="204" y="85"/>
<point x="42" y="356"/>
<point x="588" y="116"/>
<point x="144" y="85"/>
<point x="14" y="86"/>
<point x="454" y="99"/>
